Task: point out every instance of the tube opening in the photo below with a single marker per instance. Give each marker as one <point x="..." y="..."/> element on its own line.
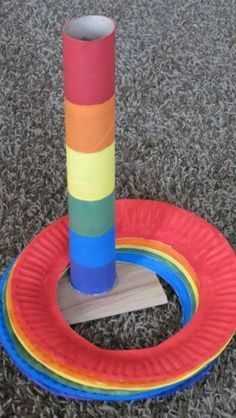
<point x="89" y="28"/>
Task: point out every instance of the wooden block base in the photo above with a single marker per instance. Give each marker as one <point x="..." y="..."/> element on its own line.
<point x="136" y="288"/>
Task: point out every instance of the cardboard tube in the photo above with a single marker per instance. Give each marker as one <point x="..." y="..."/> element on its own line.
<point x="89" y="70"/>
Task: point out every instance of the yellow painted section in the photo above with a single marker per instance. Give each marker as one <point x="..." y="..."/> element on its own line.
<point x="91" y="176"/>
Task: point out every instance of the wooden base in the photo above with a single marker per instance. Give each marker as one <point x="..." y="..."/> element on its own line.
<point x="136" y="288"/>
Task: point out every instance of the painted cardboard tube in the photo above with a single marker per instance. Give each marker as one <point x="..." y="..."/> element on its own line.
<point x="89" y="73"/>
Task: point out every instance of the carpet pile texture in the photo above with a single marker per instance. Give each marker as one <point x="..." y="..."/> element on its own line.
<point x="175" y="142"/>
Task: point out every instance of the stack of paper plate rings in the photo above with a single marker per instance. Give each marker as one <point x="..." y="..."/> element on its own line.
<point x="187" y="252"/>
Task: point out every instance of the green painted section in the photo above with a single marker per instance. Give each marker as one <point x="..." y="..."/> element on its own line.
<point x="91" y="218"/>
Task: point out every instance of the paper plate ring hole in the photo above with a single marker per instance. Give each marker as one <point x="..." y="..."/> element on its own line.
<point x="132" y="330"/>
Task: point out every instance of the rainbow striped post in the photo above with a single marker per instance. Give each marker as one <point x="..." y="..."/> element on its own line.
<point x="88" y="60"/>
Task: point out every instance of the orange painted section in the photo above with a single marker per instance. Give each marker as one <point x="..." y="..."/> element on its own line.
<point x="90" y="129"/>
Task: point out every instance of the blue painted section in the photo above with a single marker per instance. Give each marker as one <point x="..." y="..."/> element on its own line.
<point x="92" y="252"/>
<point x="93" y="281"/>
<point x="92" y="262"/>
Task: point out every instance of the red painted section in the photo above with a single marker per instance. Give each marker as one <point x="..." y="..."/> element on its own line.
<point x="89" y="69"/>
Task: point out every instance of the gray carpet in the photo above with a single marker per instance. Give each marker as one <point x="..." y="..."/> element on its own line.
<point x="175" y="142"/>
